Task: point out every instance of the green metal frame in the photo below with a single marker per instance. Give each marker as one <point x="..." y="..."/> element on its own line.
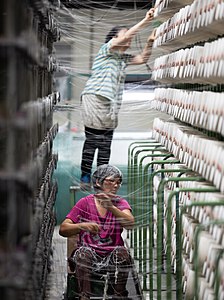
<point x="134" y="162"/>
<point x="199" y="228"/>
<point x="160" y="221"/>
<point x="161" y="187"/>
<point x="141" y="180"/>
<point x="133" y="172"/>
<point x="131" y="150"/>
<point x="217" y="276"/>
<point x="132" y="147"/>
<point x="149" y="181"/>
<point x="201" y="204"/>
<point x="141" y="210"/>
<point x="178" y="233"/>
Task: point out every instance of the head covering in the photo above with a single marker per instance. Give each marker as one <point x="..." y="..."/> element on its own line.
<point x="103" y="172"/>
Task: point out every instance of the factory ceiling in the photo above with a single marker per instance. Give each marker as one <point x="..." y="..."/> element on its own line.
<point x="118" y="4"/>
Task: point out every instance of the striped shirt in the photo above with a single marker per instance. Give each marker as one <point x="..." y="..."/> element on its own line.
<point x="108" y="74"/>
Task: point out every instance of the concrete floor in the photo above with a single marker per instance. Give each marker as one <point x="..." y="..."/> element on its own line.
<point x="57" y="278"/>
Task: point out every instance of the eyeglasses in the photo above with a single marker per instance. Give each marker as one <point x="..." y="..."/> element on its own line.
<point x="113" y="181"/>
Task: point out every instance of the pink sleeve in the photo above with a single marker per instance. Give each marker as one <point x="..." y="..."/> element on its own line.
<point x="76" y="211"/>
<point x="123" y="204"/>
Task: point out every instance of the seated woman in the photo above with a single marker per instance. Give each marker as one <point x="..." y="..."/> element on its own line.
<point x="99" y="220"/>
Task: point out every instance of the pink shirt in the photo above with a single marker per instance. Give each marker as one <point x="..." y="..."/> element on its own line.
<point x="109" y="235"/>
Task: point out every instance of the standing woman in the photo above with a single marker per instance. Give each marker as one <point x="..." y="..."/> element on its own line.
<point x="102" y="95"/>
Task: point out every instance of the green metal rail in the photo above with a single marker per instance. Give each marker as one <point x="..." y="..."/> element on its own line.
<point x="173" y="194"/>
<point x="160" y="202"/>
<point x="182" y="211"/>
<point x="148" y="181"/>
<point x="134" y="163"/>
<point x="140" y="211"/>
<point x="199" y="228"/>
<point x="132" y="147"/>
<point x="133" y="174"/>
<point x="217" y="276"/>
<point x="140" y="184"/>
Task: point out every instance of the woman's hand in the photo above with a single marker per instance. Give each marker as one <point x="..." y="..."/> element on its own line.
<point x="106" y="199"/>
<point x="150" y="15"/>
<point x="123" y="42"/>
<point x="152" y="36"/>
<point x="90" y="227"/>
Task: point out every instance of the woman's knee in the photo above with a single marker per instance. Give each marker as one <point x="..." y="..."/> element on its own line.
<point x="83" y="256"/>
<point x="123" y="255"/>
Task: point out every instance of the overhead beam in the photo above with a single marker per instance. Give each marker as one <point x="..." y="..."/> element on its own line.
<point x="118" y="4"/>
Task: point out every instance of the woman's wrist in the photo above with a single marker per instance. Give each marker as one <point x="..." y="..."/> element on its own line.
<point x="146" y="21"/>
<point x="150" y="42"/>
<point x="80" y="227"/>
<point x="112" y="208"/>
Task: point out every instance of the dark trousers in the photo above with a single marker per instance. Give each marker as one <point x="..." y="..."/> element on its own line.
<point x="118" y="269"/>
<point x="96" y="139"/>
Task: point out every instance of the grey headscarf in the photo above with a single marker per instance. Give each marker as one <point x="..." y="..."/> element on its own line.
<point x="103" y="172"/>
